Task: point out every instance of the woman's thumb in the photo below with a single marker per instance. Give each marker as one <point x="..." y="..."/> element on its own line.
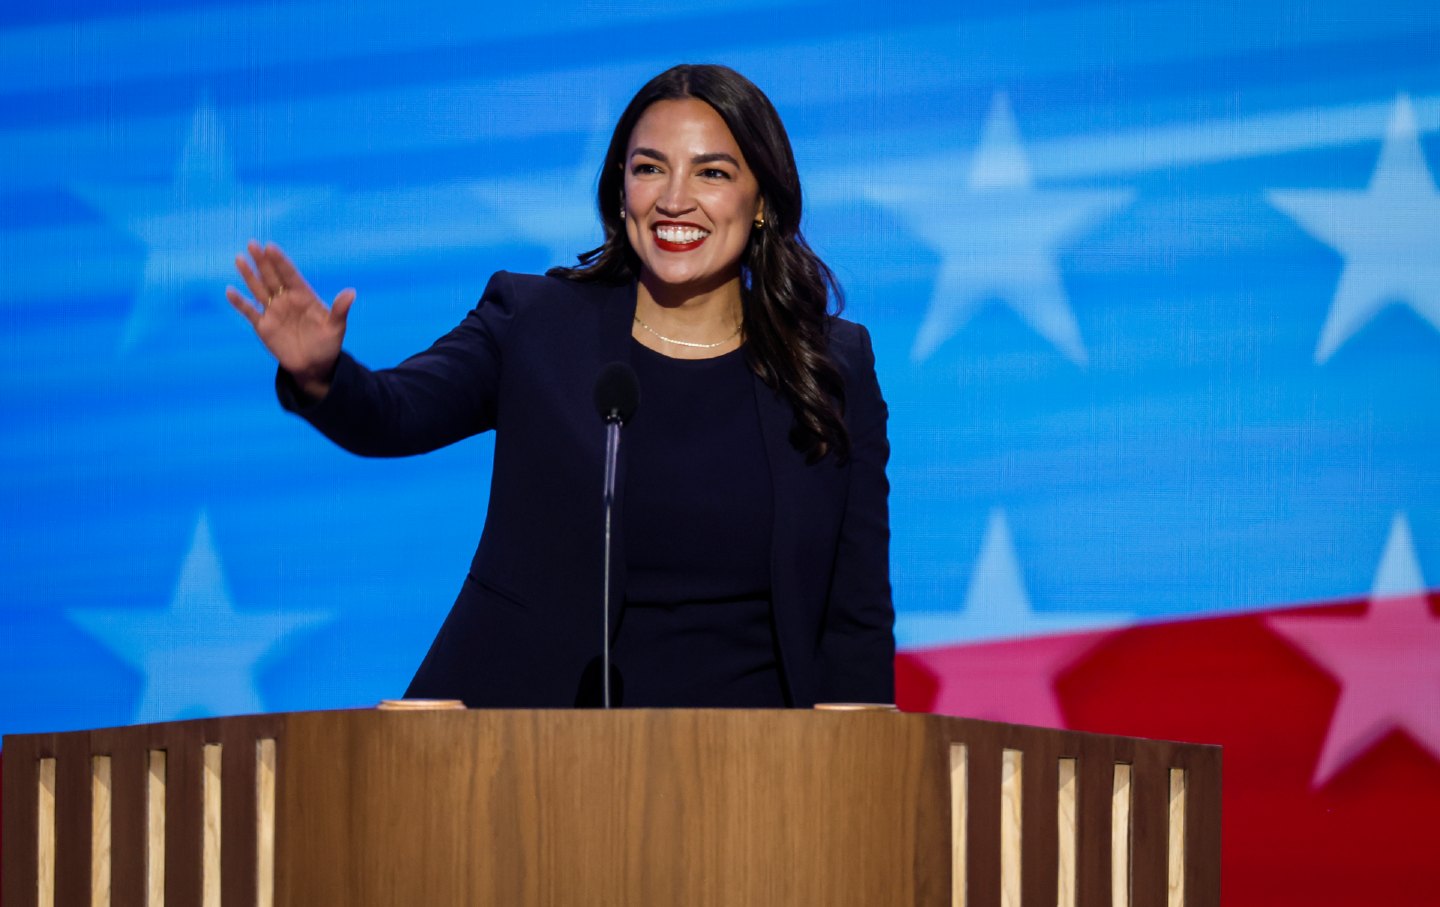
<point x="340" y="308"/>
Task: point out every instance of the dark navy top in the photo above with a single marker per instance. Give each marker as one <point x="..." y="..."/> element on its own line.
<point x="697" y="627"/>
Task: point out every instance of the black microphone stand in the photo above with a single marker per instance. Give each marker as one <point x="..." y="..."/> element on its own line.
<point x="612" y="454"/>
<point x="617" y="394"/>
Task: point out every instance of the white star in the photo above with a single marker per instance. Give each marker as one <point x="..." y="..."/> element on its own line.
<point x="1387" y="662"/>
<point x="1389" y="235"/>
<point x="193" y="229"/>
<point x="996" y="606"/>
<point x="1004" y="681"/>
<point x="998" y="239"/>
<point x="555" y="210"/>
<point x="199" y="656"/>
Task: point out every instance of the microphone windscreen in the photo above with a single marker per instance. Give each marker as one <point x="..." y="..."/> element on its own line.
<point x="617" y="392"/>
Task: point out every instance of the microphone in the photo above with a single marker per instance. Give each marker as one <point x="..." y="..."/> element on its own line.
<point x="617" y="396"/>
<point x="617" y="392"/>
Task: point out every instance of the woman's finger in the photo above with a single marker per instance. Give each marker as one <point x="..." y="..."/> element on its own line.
<point x="257" y="255"/>
<point x="274" y="286"/>
<point x="243" y="306"/>
<point x="285" y="269"/>
<point x="252" y="280"/>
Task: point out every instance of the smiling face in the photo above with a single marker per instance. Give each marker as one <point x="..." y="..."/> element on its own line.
<point x="690" y="201"/>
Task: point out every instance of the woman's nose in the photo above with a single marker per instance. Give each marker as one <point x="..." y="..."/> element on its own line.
<point x="676" y="198"/>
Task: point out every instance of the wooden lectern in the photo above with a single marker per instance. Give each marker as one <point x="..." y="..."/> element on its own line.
<point x="678" y="808"/>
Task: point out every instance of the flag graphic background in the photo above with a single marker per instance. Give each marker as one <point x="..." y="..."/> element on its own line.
<point x="1155" y="293"/>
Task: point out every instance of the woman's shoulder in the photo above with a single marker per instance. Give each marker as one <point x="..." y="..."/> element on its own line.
<point x="845" y="331"/>
<point x="850" y="344"/>
<point x="529" y="289"/>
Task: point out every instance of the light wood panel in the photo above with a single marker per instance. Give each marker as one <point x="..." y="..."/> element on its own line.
<point x="1012" y="771"/>
<point x="45" y="833"/>
<point x="211" y="792"/>
<point x="959" y="816"/>
<point x="264" y="822"/>
<point x="702" y="808"/>
<point x="155" y="829"/>
<point x="100" y="830"/>
<point x="1175" y="856"/>
<point x="1067" y="832"/>
<point x="1120" y="838"/>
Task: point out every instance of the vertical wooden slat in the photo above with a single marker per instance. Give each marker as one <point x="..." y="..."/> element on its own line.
<point x="1096" y="771"/>
<point x="265" y="818"/>
<point x="982" y="867"/>
<point x="959" y="816"/>
<point x="155" y="822"/>
<point x="1012" y="777"/>
<point x="127" y="814"/>
<point x="72" y="819"/>
<point x="211" y="791"/>
<point x="1175" y="862"/>
<point x="1066" y="831"/>
<point x="1149" y="820"/>
<point x="100" y="825"/>
<point x="45" y="833"/>
<point x="237" y="811"/>
<point x="1040" y="793"/>
<point x="1120" y="836"/>
<point x="184" y="814"/>
<point x="1202" y="827"/>
<point x="17" y="858"/>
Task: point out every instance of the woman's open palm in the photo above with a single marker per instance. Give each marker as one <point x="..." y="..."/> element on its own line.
<point x="296" y="326"/>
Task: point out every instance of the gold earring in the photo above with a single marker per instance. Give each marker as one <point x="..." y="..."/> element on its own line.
<point x="760" y="220"/>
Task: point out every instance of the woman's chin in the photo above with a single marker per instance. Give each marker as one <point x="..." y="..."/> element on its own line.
<point x="671" y="282"/>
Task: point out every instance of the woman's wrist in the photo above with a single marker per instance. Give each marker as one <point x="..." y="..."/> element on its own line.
<point x="314" y="383"/>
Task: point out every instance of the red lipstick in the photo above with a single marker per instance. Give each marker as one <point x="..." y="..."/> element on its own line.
<point x="669" y="246"/>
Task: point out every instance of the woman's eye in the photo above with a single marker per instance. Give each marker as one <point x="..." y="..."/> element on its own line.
<point x="714" y="173"/>
<point x="640" y="169"/>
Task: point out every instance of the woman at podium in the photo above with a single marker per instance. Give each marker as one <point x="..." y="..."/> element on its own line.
<point x="750" y="558"/>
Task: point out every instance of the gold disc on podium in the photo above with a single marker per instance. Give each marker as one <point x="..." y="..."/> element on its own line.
<point x="418" y="705"/>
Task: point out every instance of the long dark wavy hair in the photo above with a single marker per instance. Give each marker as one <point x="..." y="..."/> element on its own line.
<point x="785" y="287"/>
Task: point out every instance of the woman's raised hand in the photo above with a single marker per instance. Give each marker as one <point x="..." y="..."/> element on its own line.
<point x="295" y="325"/>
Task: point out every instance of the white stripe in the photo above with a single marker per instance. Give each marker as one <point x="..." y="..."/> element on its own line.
<point x="213" y="40"/>
<point x="1125" y="152"/>
<point x="437" y="116"/>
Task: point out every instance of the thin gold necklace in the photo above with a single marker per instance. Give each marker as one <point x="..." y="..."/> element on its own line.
<point x="691" y="344"/>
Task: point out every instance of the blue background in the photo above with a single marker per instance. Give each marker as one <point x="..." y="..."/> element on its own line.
<point x="1097" y="245"/>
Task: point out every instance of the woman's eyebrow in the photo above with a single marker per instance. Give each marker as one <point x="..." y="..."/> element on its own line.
<point x="712" y="157"/>
<point x="709" y="158"/>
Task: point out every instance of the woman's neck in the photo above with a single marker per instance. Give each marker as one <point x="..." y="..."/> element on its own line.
<point x="686" y="324"/>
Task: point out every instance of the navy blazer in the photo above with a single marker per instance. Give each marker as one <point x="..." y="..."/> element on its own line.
<point x="526" y="622"/>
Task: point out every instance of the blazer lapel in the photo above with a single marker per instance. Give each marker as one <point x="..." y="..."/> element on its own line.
<point x="776" y="418"/>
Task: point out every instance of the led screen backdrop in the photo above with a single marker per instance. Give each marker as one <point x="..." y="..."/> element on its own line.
<point x="1155" y="293"/>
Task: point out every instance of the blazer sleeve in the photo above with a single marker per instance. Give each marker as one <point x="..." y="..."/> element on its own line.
<point x="434" y="398"/>
<point x="857" y="643"/>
